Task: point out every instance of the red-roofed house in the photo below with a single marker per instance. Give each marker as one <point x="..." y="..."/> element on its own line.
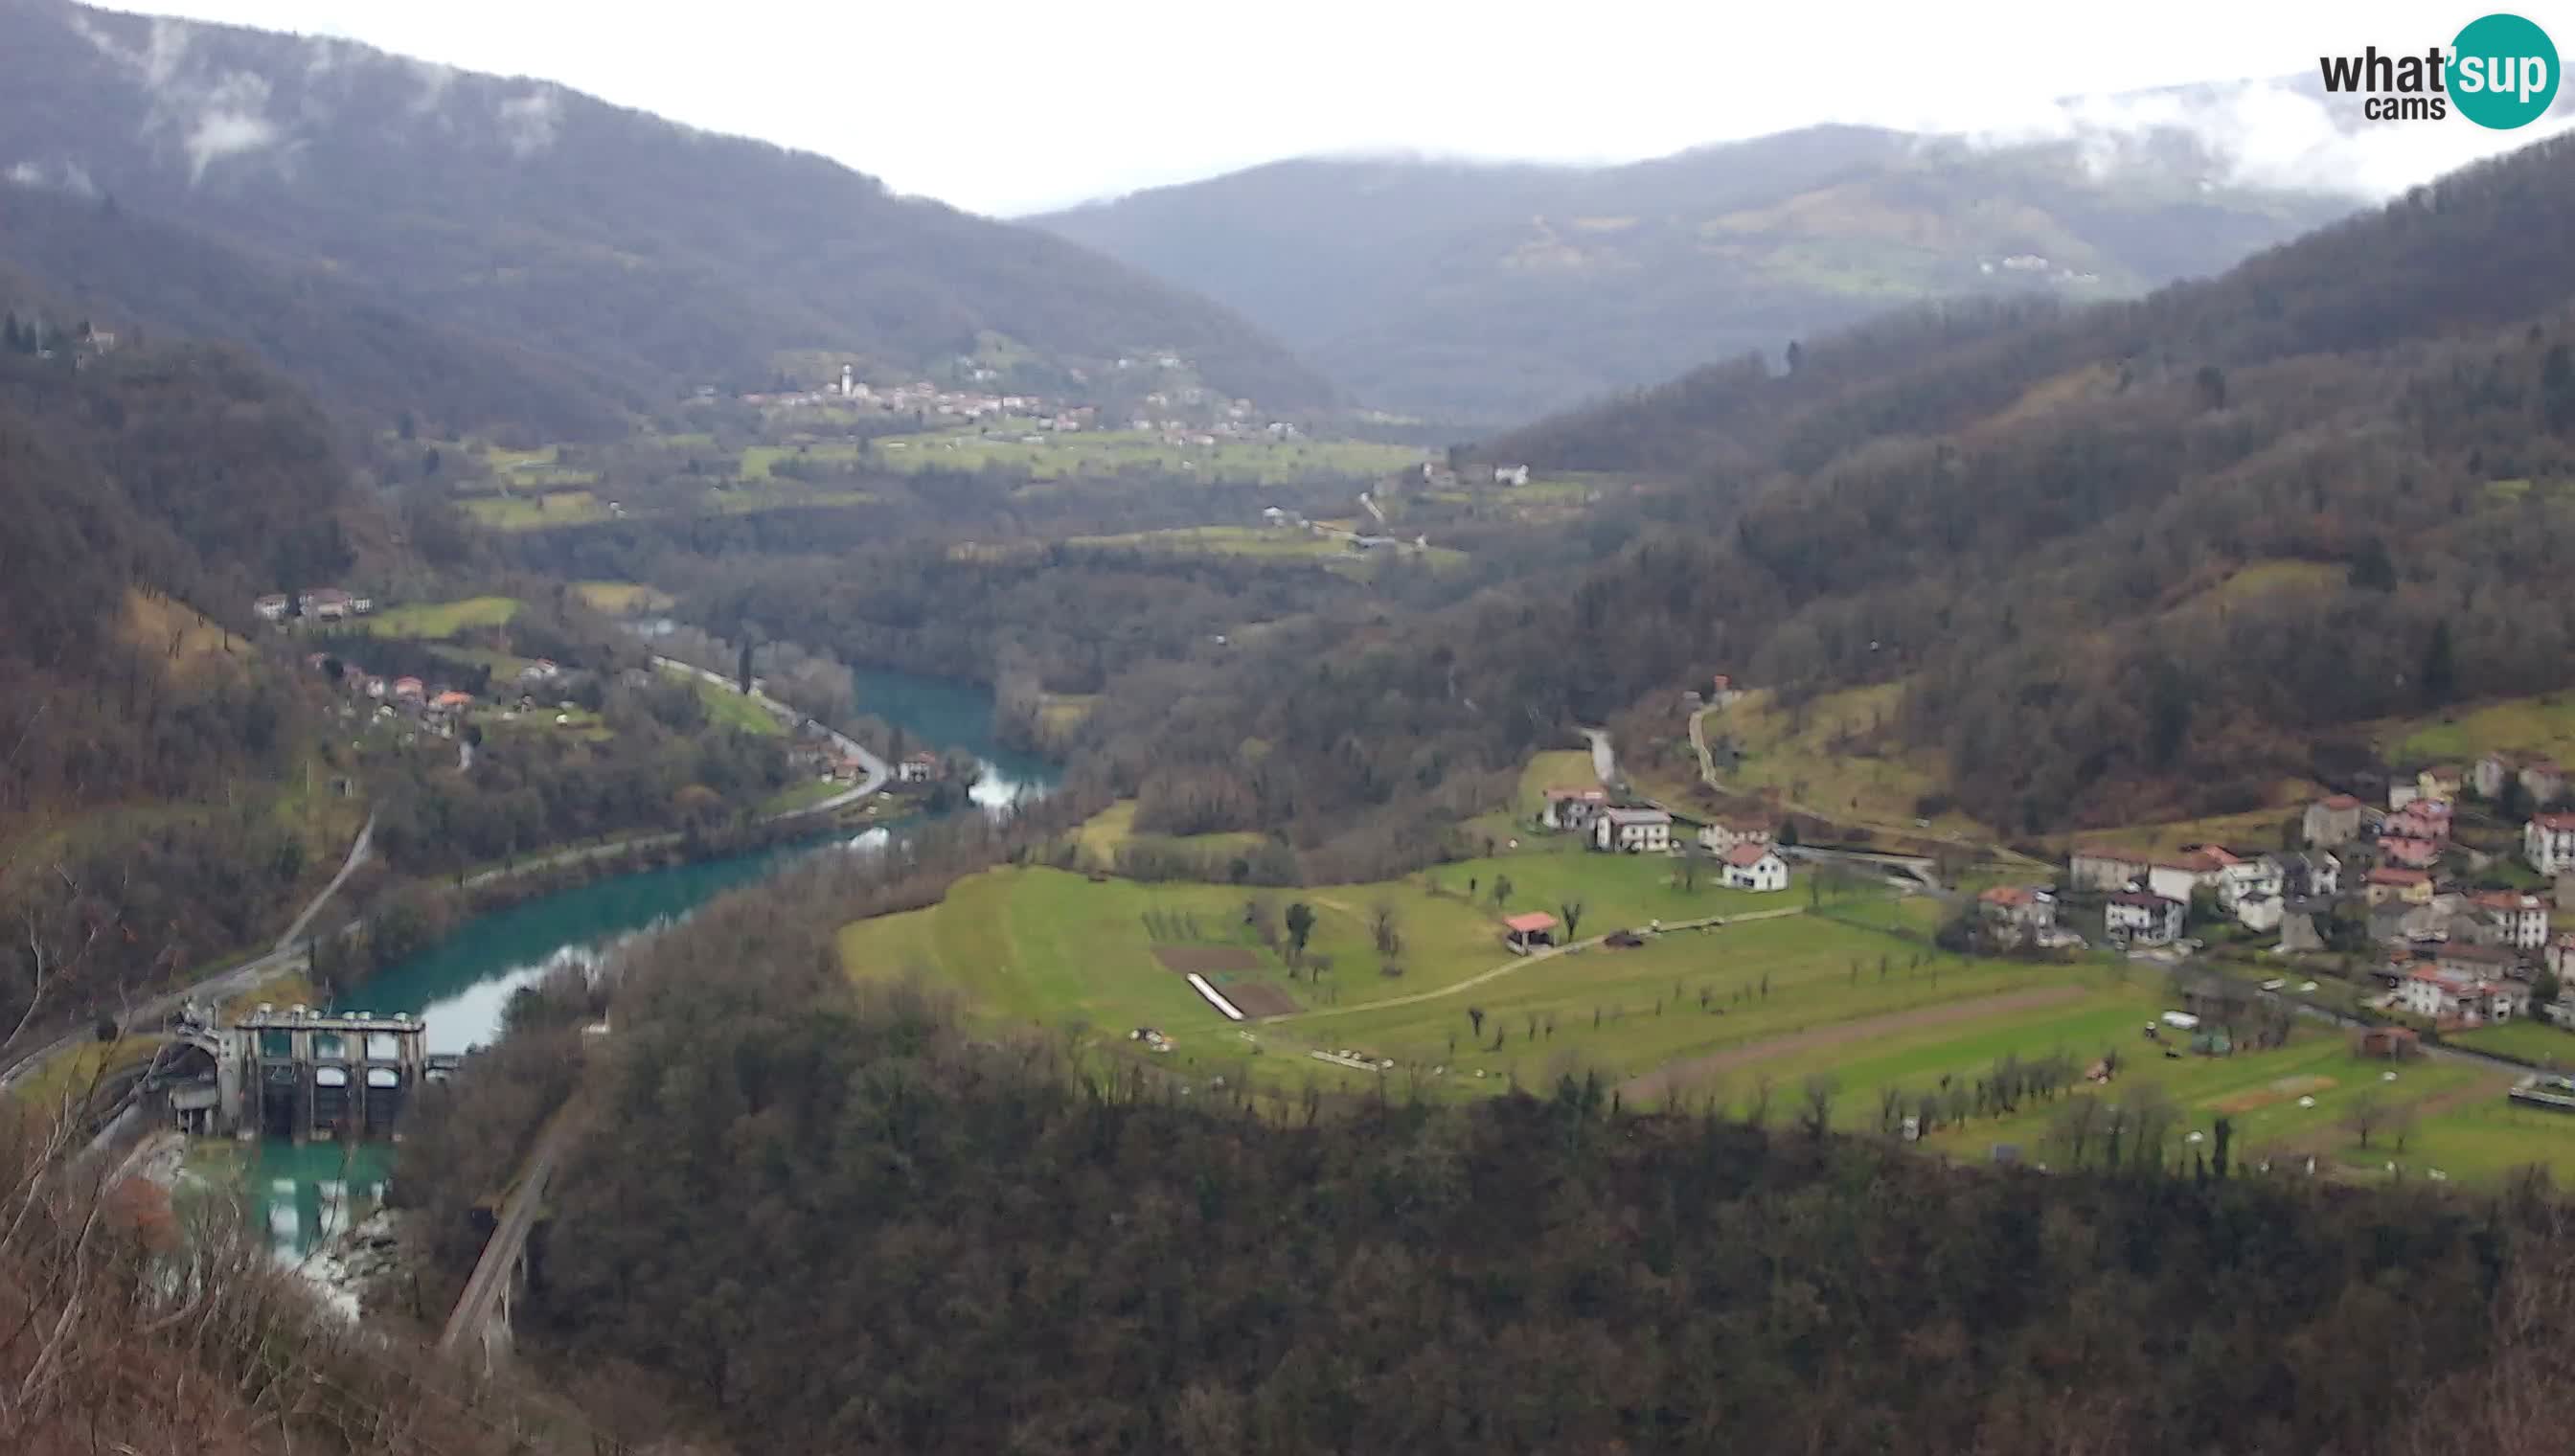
<point x="1570" y="808"/>
<point x="2518" y="919"/>
<point x="2454" y="996"/>
<point x="2411" y="853"/>
<point x="919" y="767"/>
<point x="2441" y="782"/>
<point x="410" y="689"/>
<point x="2023" y="906"/>
<point x="2424" y="818"/>
<point x="2391" y="882"/>
<point x="2548" y="842"/>
<point x="451" y="700"/>
<point x="2543" y="780"/>
<point x="2333" y="820"/>
<point x="1533" y="929"/>
<point x="1755" y="867"/>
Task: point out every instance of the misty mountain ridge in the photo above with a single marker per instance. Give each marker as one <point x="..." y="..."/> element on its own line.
<point x="1480" y="291"/>
<point x="616" y="243"/>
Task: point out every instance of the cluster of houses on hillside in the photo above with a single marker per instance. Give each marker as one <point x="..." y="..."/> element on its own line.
<point x="2455" y="944"/>
<point x="317" y="604"/>
<point x="433" y="707"/>
<point x="1745" y="848"/>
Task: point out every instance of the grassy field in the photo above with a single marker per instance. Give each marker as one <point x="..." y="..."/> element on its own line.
<point x="431" y="621"/>
<point x="1709" y="1016"/>
<point x="1553" y="768"/>
<point x="2543" y="726"/>
<point x="190" y="648"/>
<point x="803" y="794"/>
<point x="732" y="710"/>
<point x="624" y="598"/>
<point x="2532" y="1041"/>
<point x="757" y="458"/>
<point x="1833" y="754"/>
<point x="2267" y="578"/>
<point x="1103" y="834"/>
<point x="2255" y="831"/>
<point x="75" y="1073"/>
<point x="2482" y="1138"/>
<point x="529" y="512"/>
<point x="1113" y="452"/>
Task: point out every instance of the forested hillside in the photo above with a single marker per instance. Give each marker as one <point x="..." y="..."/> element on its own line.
<point x="149" y="496"/>
<point x="1487" y="293"/>
<point x="2039" y="525"/>
<point x="113" y="266"/>
<point x="832" y="1218"/>
<point x="604" y="241"/>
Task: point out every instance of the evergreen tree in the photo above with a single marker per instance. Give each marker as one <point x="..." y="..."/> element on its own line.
<point x="2440" y="669"/>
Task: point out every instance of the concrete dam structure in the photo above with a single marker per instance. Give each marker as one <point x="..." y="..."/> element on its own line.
<point x="298" y="1073"/>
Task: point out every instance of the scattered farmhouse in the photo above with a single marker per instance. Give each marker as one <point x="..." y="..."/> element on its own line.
<point x="410" y="689"/>
<point x="2105" y="869"/>
<point x="2441" y="782"/>
<point x="1729" y="831"/>
<point x="2543" y="780"/>
<point x="2514" y="918"/>
<point x="1510" y="475"/>
<point x="918" y="767"/>
<point x="2548" y="842"/>
<point x="2176" y="876"/>
<point x="2490" y="773"/>
<point x="2018" y="911"/>
<point x="1755" y="867"/>
<point x="2142" y="918"/>
<point x="2560" y="957"/>
<point x="2462" y="998"/>
<point x="1634" y="831"/>
<point x="2332" y="820"/>
<point x="1571" y="807"/>
<point x="1526" y="933"/>
<point x="2260" y="912"/>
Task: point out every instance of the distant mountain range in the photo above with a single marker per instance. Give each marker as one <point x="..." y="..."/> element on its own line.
<point x="619" y="255"/>
<point x="1480" y="294"/>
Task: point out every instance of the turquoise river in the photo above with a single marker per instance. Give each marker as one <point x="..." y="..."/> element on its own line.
<point x="460" y="985"/>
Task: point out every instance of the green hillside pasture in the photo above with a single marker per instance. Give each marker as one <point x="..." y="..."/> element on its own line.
<point x="1114" y="452"/>
<point x="433" y="620"/>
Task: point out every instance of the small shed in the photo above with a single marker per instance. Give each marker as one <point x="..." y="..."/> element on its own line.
<point x="2395" y="1044"/>
<point x="1522" y="932"/>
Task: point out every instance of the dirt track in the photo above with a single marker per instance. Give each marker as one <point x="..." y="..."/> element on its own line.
<point x="1682" y="1073"/>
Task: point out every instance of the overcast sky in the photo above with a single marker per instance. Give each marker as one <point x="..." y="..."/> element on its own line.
<point x="1006" y="106"/>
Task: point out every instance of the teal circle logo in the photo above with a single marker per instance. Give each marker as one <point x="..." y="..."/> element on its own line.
<point x="2503" y="72"/>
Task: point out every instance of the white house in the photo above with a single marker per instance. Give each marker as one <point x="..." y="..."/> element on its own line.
<point x="1635" y="830"/>
<point x="1510" y="475"/>
<point x="2262" y="875"/>
<point x="2548" y="842"/>
<point x="2260" y="911"/>
<point x="1724" y="833"/>
<point x="2142" y="918"/>
<point x="1755" y="867"/>
<point x="2176" y="877"/>
<point x="2024" y="905"/>
<point x="2310" y="872"/>
<point x="917" y="769"/>
<point x="1572" y="809"/>
<point x="2517" y="919"/>
<point x="2453" y="995"/>
<point x="271" y="608"/>
<point x="2561" y="956"/>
